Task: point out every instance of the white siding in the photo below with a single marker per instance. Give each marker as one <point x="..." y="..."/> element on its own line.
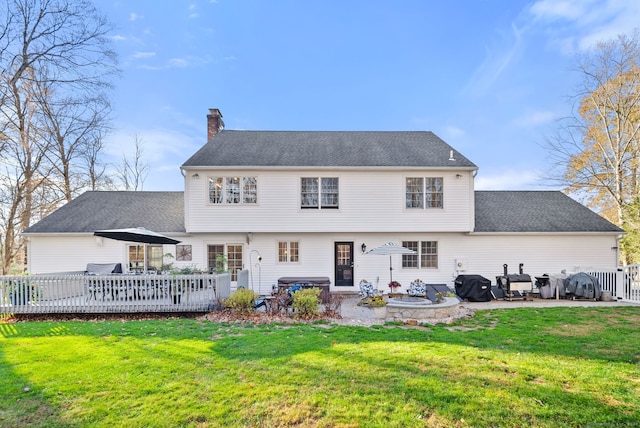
<point x="483" y="254"/>
<point x="369" y="200"/>
<point x="50" y="254"/>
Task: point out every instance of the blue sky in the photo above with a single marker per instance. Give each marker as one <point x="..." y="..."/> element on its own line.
<point x="490" y="77"/>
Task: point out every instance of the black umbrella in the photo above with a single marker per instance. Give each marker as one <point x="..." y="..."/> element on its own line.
<point x="136" y="234"/>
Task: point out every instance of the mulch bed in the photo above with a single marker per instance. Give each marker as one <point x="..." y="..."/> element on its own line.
<point x="221" y="316"/>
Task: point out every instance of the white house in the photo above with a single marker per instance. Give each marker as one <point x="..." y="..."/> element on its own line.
<point x="311" y="204"/>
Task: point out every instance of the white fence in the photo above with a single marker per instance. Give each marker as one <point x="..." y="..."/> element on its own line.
<point x="623" y="284"/>
<point x="78" y="293"/>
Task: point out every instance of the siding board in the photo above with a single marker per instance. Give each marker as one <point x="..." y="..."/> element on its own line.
<point x="369" y="200"/>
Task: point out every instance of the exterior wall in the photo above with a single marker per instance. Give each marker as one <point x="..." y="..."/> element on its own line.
<point x="51" y="254"/>
<point x="369" y="200"/>
<point x="481" y="254"/>
<point x="551" y="253"/>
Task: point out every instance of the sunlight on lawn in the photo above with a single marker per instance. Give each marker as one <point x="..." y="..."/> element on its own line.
<point x="171" y="373"/>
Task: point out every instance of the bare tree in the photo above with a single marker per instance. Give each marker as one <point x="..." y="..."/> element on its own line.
<point x="53" y="55"/>
<point x="74" y="129"/>
<point x="598" y="147"/>
<point x="95" y="170"/>
<point x="132" y="172"/>
<point x="23" y="157"/>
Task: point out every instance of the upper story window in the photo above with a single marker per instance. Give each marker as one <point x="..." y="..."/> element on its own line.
<point x="424" y="192"/>
<point x="233" y="190"/>
<point x="319" y="193"/>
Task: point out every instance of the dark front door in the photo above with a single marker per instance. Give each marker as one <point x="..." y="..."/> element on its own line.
<point x="344" y="264"/>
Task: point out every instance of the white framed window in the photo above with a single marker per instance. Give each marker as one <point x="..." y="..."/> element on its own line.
<point x="143" y="258"/>
<point x="424" y="192"/>
<point x="249" y="190"/>
<point x="319" y="193"/>
<point x="225" y="258"/>
<point x="233" y="190"/>
<point x="288" y="252"/>
<point x="426" y="256"/>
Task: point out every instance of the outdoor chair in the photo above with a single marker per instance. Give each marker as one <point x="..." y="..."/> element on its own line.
<point x="417" y="288"/>
<point x="367" y="290"/>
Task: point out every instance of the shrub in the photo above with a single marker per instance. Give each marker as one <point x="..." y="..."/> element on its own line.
<point x="241" y="300"/>
<point x="306" y="302"/>
<point x="332" y="307"/>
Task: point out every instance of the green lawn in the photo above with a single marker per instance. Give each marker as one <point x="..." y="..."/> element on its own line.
<point x="513" y="367"/>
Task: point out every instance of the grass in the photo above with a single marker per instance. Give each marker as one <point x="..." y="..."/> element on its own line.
<point x="551" y="367"/>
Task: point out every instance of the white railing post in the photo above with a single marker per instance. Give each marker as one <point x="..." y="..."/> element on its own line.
<point x="618" y="293"/>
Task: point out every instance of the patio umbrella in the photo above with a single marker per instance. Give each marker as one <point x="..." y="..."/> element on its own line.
<point x="389" y="249"/>
<point x="136" y="234"/>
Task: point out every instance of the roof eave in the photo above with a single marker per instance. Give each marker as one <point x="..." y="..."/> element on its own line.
<point x="327" y="167"/>
<point x="532" y="233"/>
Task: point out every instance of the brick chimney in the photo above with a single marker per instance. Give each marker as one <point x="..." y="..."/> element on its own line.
<point x="214" y="123"/>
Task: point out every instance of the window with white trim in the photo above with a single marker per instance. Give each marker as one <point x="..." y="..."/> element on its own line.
<point x="426" y="256"/>
<point x="233" y="190"/>
<point x="424" y="192"/>
<point x="145" y="257"/>
<point x="225" y="258"/>
<point x="288" y="252"/>
<point x="319" y="192"/>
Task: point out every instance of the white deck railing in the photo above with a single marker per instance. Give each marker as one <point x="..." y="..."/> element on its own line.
<point x="78" y="293"/>
<point x="623" y="284"/>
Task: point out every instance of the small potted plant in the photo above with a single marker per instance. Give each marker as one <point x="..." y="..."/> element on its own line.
<point x="394" y="285"/>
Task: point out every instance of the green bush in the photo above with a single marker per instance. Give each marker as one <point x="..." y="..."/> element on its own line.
<point x="306" y="302"/>
<point x="241" y="300"/>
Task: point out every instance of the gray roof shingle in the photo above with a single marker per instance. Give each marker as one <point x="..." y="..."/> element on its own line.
<point x="536" y="211"/>
<point x="161" y="212"/>
<point x="327" y="149"/>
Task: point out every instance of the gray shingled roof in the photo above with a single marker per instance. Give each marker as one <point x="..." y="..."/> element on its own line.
<point x="161" y="212"/>
<point x="327" y="149"/>
<point x="536" y="211"/>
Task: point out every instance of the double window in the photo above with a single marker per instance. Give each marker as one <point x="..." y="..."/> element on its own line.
<point x="145" y="257"/>
<point x="233" y="190"/>
<point x="288" y="252"/>
<point x="424" y="192"/>
<point x="319" y="193"/>
<point x="426" y="256"/>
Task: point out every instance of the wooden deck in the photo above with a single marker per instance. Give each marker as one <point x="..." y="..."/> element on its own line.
<point x="43" y="294"/>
